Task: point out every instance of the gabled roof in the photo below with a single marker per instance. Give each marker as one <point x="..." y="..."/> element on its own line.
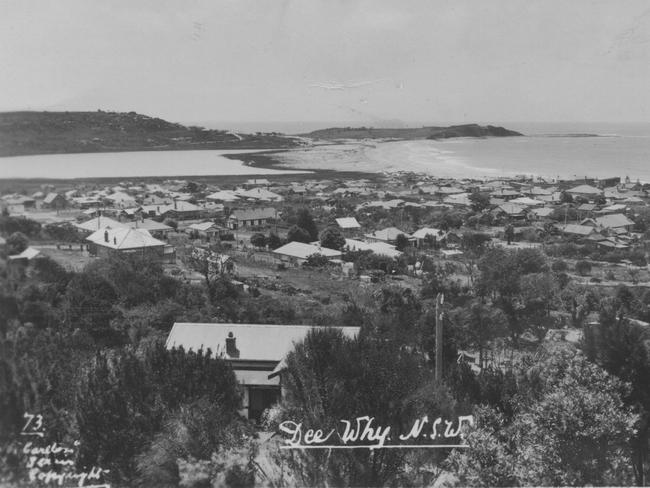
<point x="29" y="253"/>
<point x="542" y="211"/>
<point x="259" y="194"/>
<point x="98" y="223"/>
<point x="585" y="190"/>
<point x="179" y="206"/>
<point x="511" y="208"/>
<point x="581" y="230"/>
<point x="148" y="224"/>
<point x="613" y="221"/>
<point x="255" y="342"/>
<point x="50" y="197"/>
<point x="348" y="223"/>
<point x="253" y="213"/>
<point x="388" y="234"/>
<point x="588" y="207"/>
<point x="203" y="226"/>
<point x="124" y="238"/>
<point x="425" y="231"/>
<point x="379" y="248"/>
<point x="527" y="201"/>
<point x="223" y="195"/>
<point x="301" y="250"/>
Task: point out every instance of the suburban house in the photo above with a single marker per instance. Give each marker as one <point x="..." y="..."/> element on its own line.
<point x="99" y="222"/>
<point x="348" y="225"/>
<point x="255" y="352"/>
<point x="259" y="194"/>
<point x="576" y="230"/>
<point x="585" y="191"/>
<point x="388" y="235"/>
<point x="251" y="217"/>
<point x="54" y="201"/>
<point x="614" y="221"/>
<point x="379" y="248"/>
<point x="296" y="253"/>
<point x="435" y="235"/>
<point x="223" y="196"/>
<point x="206" y="230"/>
<point x="108" y="241"/>
<point x="180" y="210"/>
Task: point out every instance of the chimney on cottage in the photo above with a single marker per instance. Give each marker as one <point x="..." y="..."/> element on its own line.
<point x="115" y="240"/>
<point x="105" y="236"/>
<point x="231" y="346"/>
<point x="175" y="205"/>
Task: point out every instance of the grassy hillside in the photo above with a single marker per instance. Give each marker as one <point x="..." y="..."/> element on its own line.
<point x="24" y="133"/>
<point x="468" y="130"/>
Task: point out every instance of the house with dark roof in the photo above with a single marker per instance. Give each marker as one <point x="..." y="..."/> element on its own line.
<point x="256" y="353"/>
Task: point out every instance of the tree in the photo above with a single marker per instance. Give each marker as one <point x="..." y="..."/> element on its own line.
<point x="330" y="377"/>
<point x="258" y="240"/>
<point x="401" y="242"/>
<point x="566" y="197"/>
<point x="124" y="397"/>
<point x="570" y="428"/>
<point x="16" y="243"/>
<point x="298" y="234"/>
<point x="331" y="238"/>
<point x="274" y="241"/>
<point x="171" y="223"/>
<point x="305" y="221"/>
<point x="480" y="201"/>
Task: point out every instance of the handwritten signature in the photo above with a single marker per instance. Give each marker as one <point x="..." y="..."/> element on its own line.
<point x="53" y="463"/>
<point x="365" y="433"/>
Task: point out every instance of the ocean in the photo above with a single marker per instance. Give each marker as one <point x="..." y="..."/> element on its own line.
<point x="547" y="150"/>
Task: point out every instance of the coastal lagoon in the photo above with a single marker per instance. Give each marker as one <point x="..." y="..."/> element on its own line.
<point x="132" y="164"/>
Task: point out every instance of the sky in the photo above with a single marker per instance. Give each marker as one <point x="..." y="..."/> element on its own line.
<point x="375" y="61"/>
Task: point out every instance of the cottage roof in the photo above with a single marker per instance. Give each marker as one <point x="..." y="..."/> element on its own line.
<point x="50" y="197"/>
<point x="124" y="238"/>
<point x="613" y="221"/>
<point x="379" y="248"/>
<point x="582" y="230"/>
<point x="585" y="190"/>
<point x="426" y="231"/>
<point x="348" y="223"/>
<point x="29" y="253"/>
<point x="99" y="223"/>
<point x="388" y="234"/>
<point x="301" y="250"/>
<point x="253" y="214"/>
<point x="255" y="342"/>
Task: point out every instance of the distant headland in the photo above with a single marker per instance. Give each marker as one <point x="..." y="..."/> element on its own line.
<point x="466" y="130"/>
<point x="30" y="133"/>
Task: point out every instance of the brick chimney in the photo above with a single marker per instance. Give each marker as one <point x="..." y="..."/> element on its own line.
<point x="231" y="346"/>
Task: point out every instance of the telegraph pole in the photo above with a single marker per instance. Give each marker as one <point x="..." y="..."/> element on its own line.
<point x="440" y="299"/>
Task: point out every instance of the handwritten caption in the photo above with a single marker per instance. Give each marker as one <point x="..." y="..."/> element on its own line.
<point x="365" y="433"/>
<point x="54" y="463"/>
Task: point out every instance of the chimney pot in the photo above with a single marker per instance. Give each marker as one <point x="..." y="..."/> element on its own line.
<point x="231" y="346"/>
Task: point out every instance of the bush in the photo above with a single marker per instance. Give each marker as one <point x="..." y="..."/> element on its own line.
<point x="583" y="268"/>
<point x="559" y="266"/>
